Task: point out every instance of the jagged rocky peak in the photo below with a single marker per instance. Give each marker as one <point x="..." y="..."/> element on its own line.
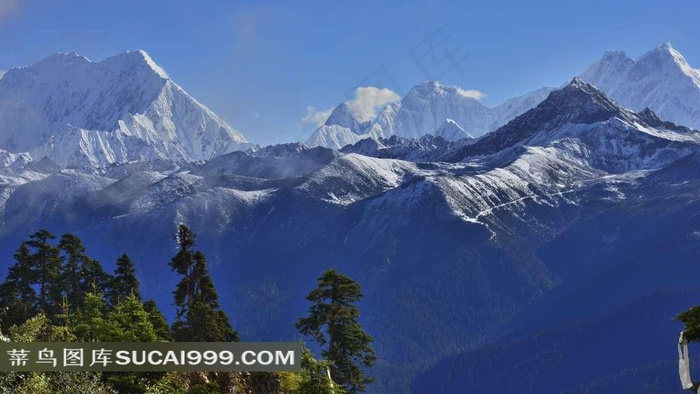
<point x="663" y="58"/>
<point x="648" y="114"/>
<point x="427" y="89"/>
<point x="451" y="131"/>
<point x="81" y="113"/>
<point x="579" y="102"/>
<point x="280" y="150"/>
<point x="342" y="116"/>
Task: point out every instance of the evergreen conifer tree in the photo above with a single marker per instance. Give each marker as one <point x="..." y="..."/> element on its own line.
<point x="160" y="324"/>
<point x="333" y="324"/>
<point x="199" y="316"/>
<point x="124" y="282"/>
<point x="18" y="299"/>
<point x="46" y="267"/>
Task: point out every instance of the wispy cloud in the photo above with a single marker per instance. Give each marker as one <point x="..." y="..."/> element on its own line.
<point x="475" y="94"/>
<point x="9" y="8"/>
<point x="368" y="100"/>
<point x="315" y="117"/>
<point x="2" y="73"/>
<point x="363" y="107"/>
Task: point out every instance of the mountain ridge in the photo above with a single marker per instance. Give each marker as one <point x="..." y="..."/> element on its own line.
<point x="92" y="114"/>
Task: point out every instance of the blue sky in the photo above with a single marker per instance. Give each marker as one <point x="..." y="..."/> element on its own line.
<point x="261" y="65"/>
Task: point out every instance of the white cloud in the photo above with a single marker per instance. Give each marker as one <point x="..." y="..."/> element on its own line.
<point x="368" y="100"/>
<point x="315" y="117"/>
<point x="475" y="94"/>
<point x="363" y="107"/>
<point x="9" y="7"/>
<point x="2" y="73"/>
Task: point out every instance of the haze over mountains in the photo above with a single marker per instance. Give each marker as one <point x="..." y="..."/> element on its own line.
<point x="566" y="238"/>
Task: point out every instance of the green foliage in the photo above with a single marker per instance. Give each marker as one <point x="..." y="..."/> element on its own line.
<point x="315" y="377"/>
<point x="199" y="317"/>
<point x="63" y="274"/>
<point x="166" y="385"/>
<point x="333" y="324"/>
<point x="46" y="267"/>
<point x="124" y="281"/>
<point x="691" y="319"/>
<point x="78" y="301"/>
<point x="80" y="273"/>
<point x="37" y="328"/>
<point x="18" y="299"/>
<point x="160" y="324"/>
<point x="129" y="322"/>
<point x="90" y="321"/>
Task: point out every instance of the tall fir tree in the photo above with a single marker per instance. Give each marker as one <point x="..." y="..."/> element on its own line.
<point x="18" y="299"/>
<point x="123" y="282"/>
<point x="46" y="265"/>
<point x="90" y="325"/>
<point x="333" y="324"/>
<point x="199" y="317"/>
<point x="73" y="254"/>
<point x="160" y="324"/>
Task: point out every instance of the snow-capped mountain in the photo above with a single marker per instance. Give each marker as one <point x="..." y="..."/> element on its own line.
<point x="424" y="110"/>
<point x="86" y="114"/>
<point x="661" y="79"/>
<point x="550" y="212"/>
<point x="426" y="107"/>
<point x="451" y="131"/>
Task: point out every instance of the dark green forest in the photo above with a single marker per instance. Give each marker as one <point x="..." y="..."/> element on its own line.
<point x="54" y="291"/>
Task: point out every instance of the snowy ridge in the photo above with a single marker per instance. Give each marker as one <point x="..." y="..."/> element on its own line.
<point x="451" y="131"/>
<point x="84" y="114"/>
<point x="661" y="79"/>
<point x="424" y="110"/>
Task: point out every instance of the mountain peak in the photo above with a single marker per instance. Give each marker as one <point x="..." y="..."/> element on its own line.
<point x="343" y="116"/>
<point x="578" y="103"/>
<point x="62" y="59"/>
<point x="451" y="131"/>
<point x="138" y="58"/>
<point x="614" y="57"/>
<point x="426" y="88"/>
<point x="578" y="83"/>
<point x="665" y="52"/>
<point x="580" y="98"/>
<point x="82" y="113"/>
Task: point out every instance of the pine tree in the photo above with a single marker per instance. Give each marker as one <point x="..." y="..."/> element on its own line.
<point x="46" y="267"/>
<point x="90" y="323"/>
<point x="129" y="322"/>
<point x="333" y="324"/>
<point x="18" y="299"/>
<point x="198" y="317"/>
<point x="160" y="324"/>
<point x="124" y="282"/>
<point x="73" y="259"/>
<point x="314" y="376"/>
<point x="80" y="274"/>
<point x="94" y="277"/>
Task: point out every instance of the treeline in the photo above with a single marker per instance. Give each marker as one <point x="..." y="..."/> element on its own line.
<point x="54" y="291"/>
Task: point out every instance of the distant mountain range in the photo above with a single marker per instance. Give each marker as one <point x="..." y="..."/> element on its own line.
<point x="661" y="80"/>
<point x="553" y="250"/>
